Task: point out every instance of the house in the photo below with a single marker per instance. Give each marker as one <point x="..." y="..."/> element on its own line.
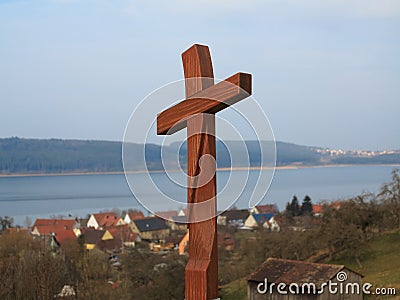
<point x="93" y="238"/>
<point x="110" y="239"/>
<point x="320" y="207"/>
<point x="272" y="224"/>
<point x="264" y="209"/>
<point x="169" y="243"/>
<point x="68" y="223"/>
<point x="233" y="217"/>
<point x="166" y="215"/>
<point x="95" y="219"/>
<point x="224" y="240"/>
<point x="183" y="212"/>
<point x="43" y="227"/>
<point x="161" y="246"/>
<point x="50" y="229"/>
<point x="174" y="239"/>
<point x="104" y="220"/>
<point x="133" y="215"/>
<point x="59" y="233"/>
<point x="109" y="221"/>
<point x="123" y="236"/>
<point x="257" y="220"/>
<point x="177" y="223"/>
<point x="150" y="228"/>
<point x="61" y="236"/>
<point x="302" y="280"/>
<point x="317" y="210"/>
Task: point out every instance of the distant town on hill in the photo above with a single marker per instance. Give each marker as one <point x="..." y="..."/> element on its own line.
<point x="36" y="156"/>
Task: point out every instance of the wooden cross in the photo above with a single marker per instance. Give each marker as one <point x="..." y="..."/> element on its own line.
<point x="196" y="112"/>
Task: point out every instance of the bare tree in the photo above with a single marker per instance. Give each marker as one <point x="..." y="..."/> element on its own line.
<point x="390" y="195"/>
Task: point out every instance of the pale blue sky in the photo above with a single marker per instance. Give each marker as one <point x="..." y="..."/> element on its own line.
<point x="327" y="73"/>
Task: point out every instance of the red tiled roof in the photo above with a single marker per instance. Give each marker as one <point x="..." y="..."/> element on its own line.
<point x="135" y="215"/>
<point x="46" y="222"/>
<point x="317" y="208"/>
<point x="167" y="215"/>
<point x="45" y="230"/>
<point x="101" y="216"/>
<point x="109" y="220"/>
<point x="63" y="235"/>
<point x="267" y="208"/>
<point x="61" y="231"/>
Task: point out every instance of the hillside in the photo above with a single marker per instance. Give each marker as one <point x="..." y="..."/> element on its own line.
<point x="380" y="266"/>
<point x="19" y="156"/>
<point x="380" y="261"/>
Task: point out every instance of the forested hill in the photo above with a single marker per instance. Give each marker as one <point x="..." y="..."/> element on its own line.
<point x="19" y="156"/>
<point x="56" y="156"/>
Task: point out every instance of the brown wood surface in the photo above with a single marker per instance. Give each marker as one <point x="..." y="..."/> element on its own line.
<point x="203" y="100"/>
<point x="202" y="269"/>
<point x="211" y="100"/>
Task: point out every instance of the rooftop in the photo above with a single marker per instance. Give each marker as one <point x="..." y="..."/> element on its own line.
<point x="167" y="215"/>
<point x="150" y="224"/>
<point x="267" y="208"/>
<point x="49" y="222"/>
<point x="262" y="218"/>
<point x="292" y="271"/>
<point x="236" y="214"/>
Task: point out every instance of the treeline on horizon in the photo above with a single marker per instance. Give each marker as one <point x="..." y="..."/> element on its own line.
<point x="18" y="156"/>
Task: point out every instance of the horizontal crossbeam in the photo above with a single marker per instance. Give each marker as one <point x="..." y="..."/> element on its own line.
<point x="211" y="100"/>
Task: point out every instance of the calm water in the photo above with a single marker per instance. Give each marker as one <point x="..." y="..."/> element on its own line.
<point x="78" y="195"/>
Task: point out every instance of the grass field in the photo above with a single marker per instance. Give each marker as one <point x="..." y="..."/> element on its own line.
<point x="236" y="290"/>
<point x="380" y="261"/>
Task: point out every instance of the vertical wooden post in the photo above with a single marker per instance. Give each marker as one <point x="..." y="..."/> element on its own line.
<point x="202" y="268"/>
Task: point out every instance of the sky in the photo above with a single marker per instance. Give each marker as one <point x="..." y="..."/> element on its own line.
<point x="326" y="73"/>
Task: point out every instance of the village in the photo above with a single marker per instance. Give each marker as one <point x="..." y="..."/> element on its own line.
<point x="164" y="232"/>
<point x="161" y="231"/>
<point x="134" y="254"/>
<point x="141" y="256"/>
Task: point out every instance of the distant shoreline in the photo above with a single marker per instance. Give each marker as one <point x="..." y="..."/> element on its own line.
<point x="289" y="167"/>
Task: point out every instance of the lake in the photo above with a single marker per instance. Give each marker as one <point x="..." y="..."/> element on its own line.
<point x="78" y="195"/>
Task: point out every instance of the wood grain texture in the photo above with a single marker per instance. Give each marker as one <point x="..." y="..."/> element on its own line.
<point x="201" y="273"/>
<point x="197" y="113"/>
<point x="211" y="100"/>
<point x="202" y="268"/>
<point x="198" y="69"/>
